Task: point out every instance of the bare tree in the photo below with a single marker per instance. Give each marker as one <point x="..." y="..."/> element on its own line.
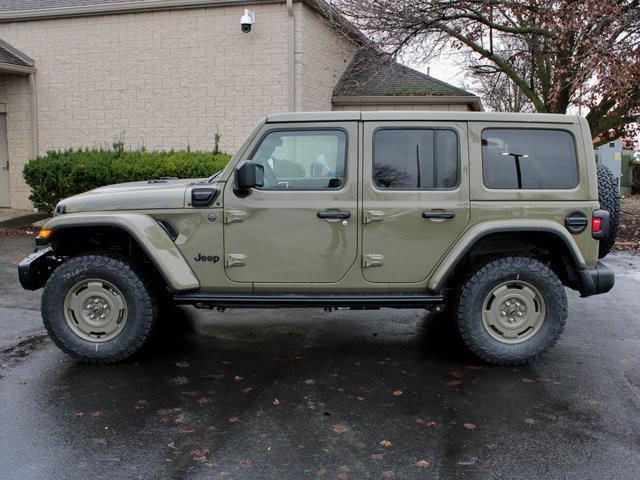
<point x="577" y="52"/>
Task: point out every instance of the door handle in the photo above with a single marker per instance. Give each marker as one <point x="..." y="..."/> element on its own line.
<point x="343" y="214"/>
<point x="438" y="215"/>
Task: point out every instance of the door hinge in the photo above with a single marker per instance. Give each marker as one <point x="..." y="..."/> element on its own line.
<point x="372" y="260"/>
<point x="6" y="167"/>
<point x="371" y="216"/>
<point x="231" y="216"/>
<point x="234" y="260"/>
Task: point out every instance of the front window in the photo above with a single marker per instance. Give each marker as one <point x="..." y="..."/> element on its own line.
<point x="303" y="159"/>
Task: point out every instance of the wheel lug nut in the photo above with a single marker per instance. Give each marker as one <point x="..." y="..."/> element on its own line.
<point x="519" y="314"/>
<point x="96" y="301"/>
<point x="93" y="316"/>
<point x="503" y="313"/>
<point x="102" y="316"/>
<point x="508" y="304"/>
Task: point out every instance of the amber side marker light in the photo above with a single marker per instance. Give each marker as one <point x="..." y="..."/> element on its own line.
<point x="45" y="233"/>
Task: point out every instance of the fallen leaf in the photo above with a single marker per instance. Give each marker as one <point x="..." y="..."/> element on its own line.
<point x="246" y="462"/>
<point x="198" y="455"/>
<point x="78" y="414"/>
<point x="237" y="378"/>
<point x="215" y="376"/>
<point x="397" y="393"/>
<point x="527" y="380"/>
<point x="276" y="401"/>
<point x="360" y="398"/>
<point x="339" y="428"/>
<point x="470" y="426"/>
<point x="452" y="383"/>
<point x="377" y="456"/>
<point x="247" y="390"/>
<point x="211" y="428"/>
<point x="321" y="472"/>
<point x="100" y="441"/>
<point x="234" y="419"/>
<point x="204" y="400"/>
<point x="96" y="414"/>
<point x="386" y="443"/>
<point x="388" y="474"/>
<point x="456" y="373"/>
<point x="530" y="421"/>
<point x="423" y="463"/>
<point x="187" y="429"/>
<point x="172" y="445"/>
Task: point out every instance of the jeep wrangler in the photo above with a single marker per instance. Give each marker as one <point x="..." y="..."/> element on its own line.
<point x="485" y="216"/>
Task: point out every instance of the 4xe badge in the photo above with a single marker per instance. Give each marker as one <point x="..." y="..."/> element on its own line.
<point x="207" y="258"/>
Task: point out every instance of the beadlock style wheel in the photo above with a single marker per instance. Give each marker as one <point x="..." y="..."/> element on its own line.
<point x="513" y="312"/>
<point x="95" y="310"/>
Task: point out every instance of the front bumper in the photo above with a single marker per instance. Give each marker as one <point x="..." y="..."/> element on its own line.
<point x="34" y="270"/>
<point x="594" y="281"/>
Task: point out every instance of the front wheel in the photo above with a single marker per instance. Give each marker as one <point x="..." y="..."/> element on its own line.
<point x="98" y="308"/>
<point x="511" y="311"/>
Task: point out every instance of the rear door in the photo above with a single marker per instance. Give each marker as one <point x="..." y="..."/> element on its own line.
<point x="415" y="197"/>
<point x="301" y="227"/>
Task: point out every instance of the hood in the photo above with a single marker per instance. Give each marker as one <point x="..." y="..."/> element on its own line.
<point x="146" y="195"/>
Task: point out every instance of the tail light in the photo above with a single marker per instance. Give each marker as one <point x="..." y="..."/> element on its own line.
<point x="600" y="224"/>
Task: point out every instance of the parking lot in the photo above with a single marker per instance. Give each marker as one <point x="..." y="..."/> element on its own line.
<point x="292" y="394"/>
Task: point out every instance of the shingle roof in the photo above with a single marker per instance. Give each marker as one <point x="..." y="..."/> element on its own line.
<point x="11" y="56"/>
<point x="375" y="74"/>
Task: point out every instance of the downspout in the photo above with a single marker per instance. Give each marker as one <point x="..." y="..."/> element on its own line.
<point x="34" y="115"/>
<point x="292" y="57"/>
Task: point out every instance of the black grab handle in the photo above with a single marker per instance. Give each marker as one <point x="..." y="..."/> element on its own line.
<point x="443" y="215"/>
<point x="334" y="214"/>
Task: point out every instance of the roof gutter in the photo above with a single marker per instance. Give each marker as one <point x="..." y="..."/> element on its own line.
<point x="471" y="100"/>
<point x="123" y="7"/>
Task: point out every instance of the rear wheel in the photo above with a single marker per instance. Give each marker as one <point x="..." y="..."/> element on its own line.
<point x="511" y="310"/>
<point x="98" y="308"/>
<point x="609" y="198"/>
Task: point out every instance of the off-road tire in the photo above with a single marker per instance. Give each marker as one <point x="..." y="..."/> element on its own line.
<point x="137" y="291"/>
<point x="482" y="281"/>
<point x="609" y="198"/>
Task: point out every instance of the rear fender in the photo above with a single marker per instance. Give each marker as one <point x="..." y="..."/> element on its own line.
<point x="478" y="231"/>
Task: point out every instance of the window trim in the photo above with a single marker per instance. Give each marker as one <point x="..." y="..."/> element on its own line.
<point x="311" y="129"/>
<point x="516" y="189"/>
<point x="458" y="159"/>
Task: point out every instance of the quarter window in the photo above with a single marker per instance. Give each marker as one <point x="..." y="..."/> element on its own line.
<point x="529" y="159"/>
<point x="410" y="159"/>
<point x="303" y="159"/>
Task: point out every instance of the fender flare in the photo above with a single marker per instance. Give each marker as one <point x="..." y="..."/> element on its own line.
<point x="478" y="231"/>
<point x="151" y="237"/>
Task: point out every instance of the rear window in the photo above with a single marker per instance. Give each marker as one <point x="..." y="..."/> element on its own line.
<point x="411" y="159"/>
<point x="529" y="159"/>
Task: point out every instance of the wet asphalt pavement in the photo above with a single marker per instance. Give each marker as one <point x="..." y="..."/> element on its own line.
<point x="294" y="394"/>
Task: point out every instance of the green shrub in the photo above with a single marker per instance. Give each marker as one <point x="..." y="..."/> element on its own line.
<point x="60" y="174"/>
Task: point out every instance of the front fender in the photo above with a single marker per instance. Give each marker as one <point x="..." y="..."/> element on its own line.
<point x="151" y="237"/>
<point x="475" y="233"/>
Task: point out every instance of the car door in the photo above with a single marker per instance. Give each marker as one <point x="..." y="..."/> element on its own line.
<point x="301" y="225"/>
<point x="415" y="181"/>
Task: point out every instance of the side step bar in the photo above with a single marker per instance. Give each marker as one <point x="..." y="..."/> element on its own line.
<point x="250" y="300"/>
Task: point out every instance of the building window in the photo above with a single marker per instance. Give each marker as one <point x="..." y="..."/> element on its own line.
<point x="303" y="159"/>
<point x="529" y="159"/>
<point x="412" y="159"/>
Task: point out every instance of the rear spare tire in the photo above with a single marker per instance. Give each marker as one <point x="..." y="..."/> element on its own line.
<point x="609" y="199"/>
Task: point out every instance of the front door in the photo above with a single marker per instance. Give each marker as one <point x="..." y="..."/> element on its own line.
<point x="5" y="199"/>
<point x="301" y="226"/>
<point x="415" y="197"/>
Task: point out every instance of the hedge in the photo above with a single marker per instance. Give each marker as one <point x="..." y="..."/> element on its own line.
<point x="60" y="174"/>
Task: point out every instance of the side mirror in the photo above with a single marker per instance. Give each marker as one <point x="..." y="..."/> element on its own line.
<point x="248" y="176"/>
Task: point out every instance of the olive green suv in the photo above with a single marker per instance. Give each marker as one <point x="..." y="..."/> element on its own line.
<point x="485" y="216"/>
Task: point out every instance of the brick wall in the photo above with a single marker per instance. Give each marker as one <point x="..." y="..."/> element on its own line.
<point x="322" y="55"/>
<point x="166" y="79"/>
<point x="15" y="95"/>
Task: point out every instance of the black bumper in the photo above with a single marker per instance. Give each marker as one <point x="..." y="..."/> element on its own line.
<point x="593" y="281"/>
<point x="34" y="270"/>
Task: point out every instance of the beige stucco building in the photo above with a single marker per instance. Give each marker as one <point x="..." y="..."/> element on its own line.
<point x="170" y="74"/>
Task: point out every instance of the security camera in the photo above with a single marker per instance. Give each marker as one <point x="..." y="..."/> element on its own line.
<point x="248" y="19"/>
